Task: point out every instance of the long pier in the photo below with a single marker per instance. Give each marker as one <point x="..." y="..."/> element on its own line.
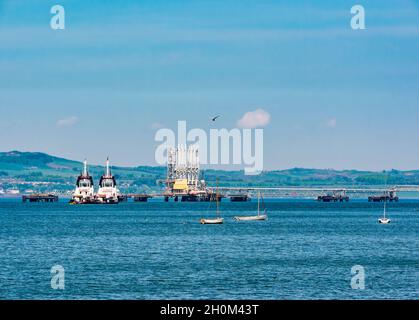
<point x="243" y="194"/>
<point x="140" y="197"/>
<point x="410" y="188"/>
<point x="325" y="194"/>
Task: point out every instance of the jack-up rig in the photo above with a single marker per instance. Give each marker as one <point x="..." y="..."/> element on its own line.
<point x="183" y="179"/>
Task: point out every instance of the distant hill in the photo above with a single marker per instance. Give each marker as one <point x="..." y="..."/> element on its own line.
<point x="30" y="161"/>
<point x="40" y="172"/>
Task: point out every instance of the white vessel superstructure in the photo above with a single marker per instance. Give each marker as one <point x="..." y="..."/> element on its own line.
<point x="108" y="192"/>
<point x="84" y="192"/>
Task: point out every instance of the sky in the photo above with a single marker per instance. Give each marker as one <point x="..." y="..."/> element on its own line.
<point x="336" y="97"/>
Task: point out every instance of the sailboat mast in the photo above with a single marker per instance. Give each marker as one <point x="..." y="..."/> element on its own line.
<point x="217" y="200"/>
<point x="385" y="194"/>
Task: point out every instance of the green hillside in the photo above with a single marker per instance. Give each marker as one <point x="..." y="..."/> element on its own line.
<point x="23" y="170"/>
<point x="40" y="172"/>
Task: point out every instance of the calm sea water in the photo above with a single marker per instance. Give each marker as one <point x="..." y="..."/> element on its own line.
<point x="160" y="251"/>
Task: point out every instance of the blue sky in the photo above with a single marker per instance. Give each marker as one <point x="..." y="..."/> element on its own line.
<point x="338" y="98"/>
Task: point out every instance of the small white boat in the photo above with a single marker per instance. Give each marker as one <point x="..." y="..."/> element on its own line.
<point x="384" y="220"/>
<point x="252" y="218"/>
<point x="212" y="221"/>
<point x="259" y="217"/>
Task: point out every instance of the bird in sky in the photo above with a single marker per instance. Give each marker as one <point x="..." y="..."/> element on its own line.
<point x="215" y="118"/>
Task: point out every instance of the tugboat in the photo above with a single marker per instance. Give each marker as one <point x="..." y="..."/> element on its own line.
<point x="108" y="192"/>
<point x="84" y="193"/>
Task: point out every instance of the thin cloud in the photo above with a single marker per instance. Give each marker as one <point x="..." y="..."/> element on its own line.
<point x="67" y="122"/>
<point x="79" y="37"/>
<point x="254" y="119"/>
<point x="157" y="125"/>
<point x="331" y="123"/>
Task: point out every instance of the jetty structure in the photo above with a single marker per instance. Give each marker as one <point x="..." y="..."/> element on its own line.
<point x="140" y="197"/>
<point x="387" y="196"/>
<point x="108" y="192"/>
<point x="240" y="197"/>
<point x="334" y="196"/>
<point x="183" y="175"/>
<point x="84" y="192"/>
<point x="40" y="197"/>
<point x="185" y="183"/>
<point x="184" y="180"/>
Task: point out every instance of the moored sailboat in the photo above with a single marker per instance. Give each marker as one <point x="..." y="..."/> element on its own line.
<point x="259" y="217"/>
<point x="384" y="219"/>
<point x="218" y="219"/>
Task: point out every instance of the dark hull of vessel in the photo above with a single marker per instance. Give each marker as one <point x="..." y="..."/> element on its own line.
<point x="72" y="202"/>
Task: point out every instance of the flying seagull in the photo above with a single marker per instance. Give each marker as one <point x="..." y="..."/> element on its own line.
<point x="215" y="118"/>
